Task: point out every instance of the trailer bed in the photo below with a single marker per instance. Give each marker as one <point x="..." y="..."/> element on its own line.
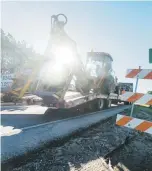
<point x="71" y="98"/>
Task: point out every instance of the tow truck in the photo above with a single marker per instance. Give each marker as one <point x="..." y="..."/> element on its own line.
<point x="95" y="85"/>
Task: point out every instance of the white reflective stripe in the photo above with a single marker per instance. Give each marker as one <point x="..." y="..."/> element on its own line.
<point x="133" y="123"/>
<point x="149" y="130"/>
<point x="143" y="73"/>
<point x="126" y="95"/>
<point x="119" y="117"/>
<point x="128" y="71"/>
<point x="144" y="99"/>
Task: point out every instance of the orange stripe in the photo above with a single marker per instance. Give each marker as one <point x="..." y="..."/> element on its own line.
<point x="144" y="126"/>
<point x="135" y="97"/>
<point x="133" y="73"/>
<point x="123" y="121"/>
<point x="149" y="76"/>
<point x="149" y="102"/>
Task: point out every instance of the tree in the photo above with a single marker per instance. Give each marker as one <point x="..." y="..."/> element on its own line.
<point x="15" y="54"/>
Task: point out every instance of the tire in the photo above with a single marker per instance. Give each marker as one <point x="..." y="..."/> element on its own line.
<point x="107" y="103"/>
<point x="115" y="102"/>
<point x="7" y="98"/>
<point x="100" y="104"/>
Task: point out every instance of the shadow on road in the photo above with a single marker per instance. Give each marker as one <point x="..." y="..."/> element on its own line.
<point x="24" y="116"/>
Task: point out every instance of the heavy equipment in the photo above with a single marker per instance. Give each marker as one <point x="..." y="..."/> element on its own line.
<point x="61" y="64"/>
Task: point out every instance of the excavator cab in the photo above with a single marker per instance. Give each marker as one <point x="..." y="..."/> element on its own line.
<point x="100" y="73"/>
<point x="98" y="61"/>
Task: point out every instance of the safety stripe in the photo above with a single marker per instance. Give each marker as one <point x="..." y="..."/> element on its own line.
<point x="119" y="117"/>
<point x="149" y="76"/>
<point x="138" y="98"/>
<point x="135" y="97"/>
<point x="141" y="73"/>
<point x="144" y="126"/>
<point x="149" y="130"/>
<point x="131" y="73"/>
<point x="134" y="123"/>
<point x="126" y="95"/>
<point x="145" y="99"/>
<point x="149" y="102"/>
<point x="124" y="120"/>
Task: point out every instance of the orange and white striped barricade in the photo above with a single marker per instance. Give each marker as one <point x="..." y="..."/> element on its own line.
<point x="137" y="98"/>
<point x="141" y="73"/>
<point x="134" y="123"/>
<point x="134" y="97"/>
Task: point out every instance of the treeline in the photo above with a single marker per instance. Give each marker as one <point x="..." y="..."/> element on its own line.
<point x="15" y="54"/>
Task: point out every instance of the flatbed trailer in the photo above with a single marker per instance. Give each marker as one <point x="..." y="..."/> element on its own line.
<point x="73" y="99"/>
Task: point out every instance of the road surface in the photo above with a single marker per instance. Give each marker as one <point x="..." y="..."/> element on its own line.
<point x="25" y="116"/>
<point x="22" y="116"/>
<point x="34" y="137"/>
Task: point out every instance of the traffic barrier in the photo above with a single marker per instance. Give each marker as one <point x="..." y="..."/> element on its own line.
<point x="141" y="73"/>
<point x="134" y="123"/>
<point x="134" y="97"/>
<point x="137" y="98"/>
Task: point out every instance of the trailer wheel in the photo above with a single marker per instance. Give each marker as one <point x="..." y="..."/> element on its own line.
<point x="90" y="106"/>
<point x="100" y="104"/>
<point x="7" y="98"/>
<point x="115" y="102"/>
<point x="107" y="104"/>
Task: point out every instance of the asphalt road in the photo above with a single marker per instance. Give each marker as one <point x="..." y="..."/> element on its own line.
<point x="22" y="116"/>
<point x="25" y="116"/>
<point x="20" y="141"/>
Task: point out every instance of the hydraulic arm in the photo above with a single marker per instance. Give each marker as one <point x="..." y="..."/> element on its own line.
<point x="62" y="62"/>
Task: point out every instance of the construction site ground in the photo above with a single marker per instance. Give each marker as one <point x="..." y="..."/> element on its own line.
<point x="104" y="147"/>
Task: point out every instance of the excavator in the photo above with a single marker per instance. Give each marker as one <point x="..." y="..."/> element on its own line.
<point x="61" y="64"/>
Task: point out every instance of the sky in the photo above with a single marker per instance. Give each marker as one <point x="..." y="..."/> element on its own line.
<point x="123" y="29"/>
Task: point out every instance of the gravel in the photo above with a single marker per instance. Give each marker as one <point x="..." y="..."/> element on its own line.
<point x="93" y="150"/>
<point x="140" y="112"/>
